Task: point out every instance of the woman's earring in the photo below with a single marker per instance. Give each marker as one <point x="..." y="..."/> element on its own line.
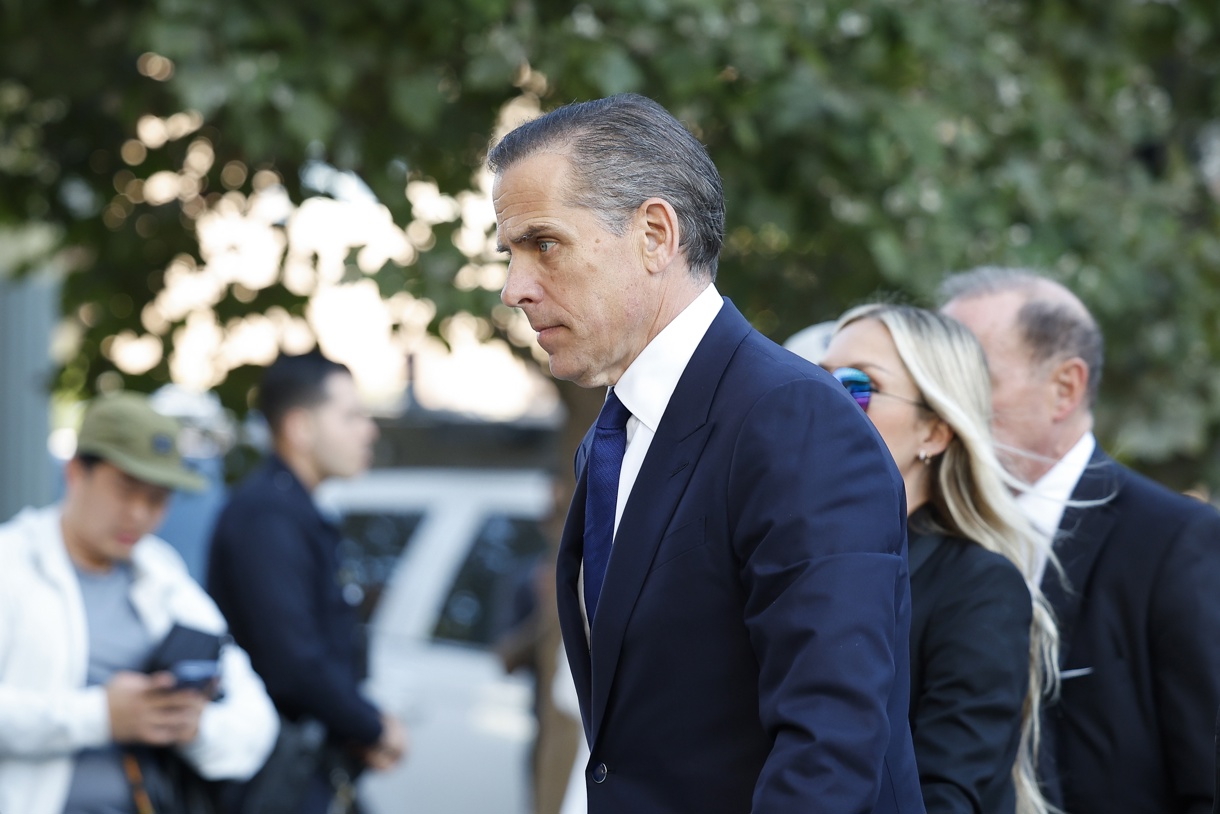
<point x="923" y="457"/>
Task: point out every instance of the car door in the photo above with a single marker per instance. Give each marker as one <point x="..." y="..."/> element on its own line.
<point x="463" y="580"/>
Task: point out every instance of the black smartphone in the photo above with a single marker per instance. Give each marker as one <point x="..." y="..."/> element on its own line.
<point x="195" y="674"/>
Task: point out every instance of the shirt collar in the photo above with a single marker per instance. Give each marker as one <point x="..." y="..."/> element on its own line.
<point x="649" y="382"/>
<point x="1062" y="477"/>
<point x="1045" y="501"/>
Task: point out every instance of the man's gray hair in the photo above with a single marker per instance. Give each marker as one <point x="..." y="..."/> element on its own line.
<point x="624" y="150"/>
<point x="1051" y="328"/>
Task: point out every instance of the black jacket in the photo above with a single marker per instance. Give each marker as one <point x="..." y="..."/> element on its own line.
<point x="1140" y="653"/>
<point x="970" y="625"/>
<point x="273" y="571"/>
<point x="1216" y="805"/>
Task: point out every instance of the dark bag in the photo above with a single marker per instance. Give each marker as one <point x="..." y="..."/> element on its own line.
<point x="342" y="769"/>
<point x="163" y="783"/>
<point x="280" y="786"/>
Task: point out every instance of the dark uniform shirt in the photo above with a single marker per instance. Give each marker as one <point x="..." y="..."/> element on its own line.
<point x="274" y="572"/>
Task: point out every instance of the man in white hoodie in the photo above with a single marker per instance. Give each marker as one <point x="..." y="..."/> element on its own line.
<point x="87" y="594"/>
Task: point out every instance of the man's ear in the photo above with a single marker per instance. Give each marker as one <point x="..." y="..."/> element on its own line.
<point x="659" y="229"/>
<point x="296" y="429"/>
<point x="1069" y="387"/>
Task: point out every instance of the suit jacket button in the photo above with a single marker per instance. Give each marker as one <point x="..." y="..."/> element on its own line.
<point x="599" y="773"/>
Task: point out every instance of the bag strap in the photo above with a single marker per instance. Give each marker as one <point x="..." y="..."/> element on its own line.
<point x="135" y="777"/>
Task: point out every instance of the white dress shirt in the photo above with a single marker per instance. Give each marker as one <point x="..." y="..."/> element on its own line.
<point x="646" y="387"/>
<point x="1044" y="503"/>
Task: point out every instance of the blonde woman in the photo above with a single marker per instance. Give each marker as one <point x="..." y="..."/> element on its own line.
<point x="982" y="641"/>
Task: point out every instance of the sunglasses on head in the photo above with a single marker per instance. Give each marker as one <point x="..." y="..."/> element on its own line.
<point x="862" y="388"/>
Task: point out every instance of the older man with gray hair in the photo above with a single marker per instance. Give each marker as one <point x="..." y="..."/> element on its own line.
<point x="1137" y="599"/>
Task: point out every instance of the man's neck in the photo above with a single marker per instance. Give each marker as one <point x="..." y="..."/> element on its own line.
<point x="674" y="299"/>
<point x="1065" y="439"/>
<point x="300" y="465"/>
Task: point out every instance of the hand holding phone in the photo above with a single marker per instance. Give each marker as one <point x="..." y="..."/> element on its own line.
<point x="149" y="709"/>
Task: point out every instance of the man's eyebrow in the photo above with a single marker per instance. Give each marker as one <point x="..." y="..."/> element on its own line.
<point x="526" y="236"/>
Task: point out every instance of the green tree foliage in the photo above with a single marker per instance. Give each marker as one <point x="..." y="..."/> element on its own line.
<point x="867" y="148"/>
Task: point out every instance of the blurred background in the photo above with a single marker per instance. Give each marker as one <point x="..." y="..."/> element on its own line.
<point x="187" y="188"/>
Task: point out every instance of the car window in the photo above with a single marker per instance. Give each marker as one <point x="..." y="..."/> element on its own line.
<point x="372" y="544"/>
<point x="494" y="588"/>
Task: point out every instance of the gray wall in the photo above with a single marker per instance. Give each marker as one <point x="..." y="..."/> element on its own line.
<point x="29" y="310"/>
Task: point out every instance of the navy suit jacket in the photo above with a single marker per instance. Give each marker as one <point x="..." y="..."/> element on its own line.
<point x="1140" y="648"/>
<point x="750" y="649"/>
<point x="1216" y="804"/>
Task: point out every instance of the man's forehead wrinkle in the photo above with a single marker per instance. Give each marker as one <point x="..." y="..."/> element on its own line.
<point x="518" y="194"/>
<point x="533" y="199"/>
<point x="505" y="203"/>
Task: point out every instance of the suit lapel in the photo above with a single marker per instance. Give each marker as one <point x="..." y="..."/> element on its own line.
<point x="1082" y="532"/>
<point x="664" y="476"/>
<point x="567" y="578"/>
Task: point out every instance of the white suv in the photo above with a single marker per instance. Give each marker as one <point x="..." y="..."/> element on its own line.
<point x="440" y="558"/>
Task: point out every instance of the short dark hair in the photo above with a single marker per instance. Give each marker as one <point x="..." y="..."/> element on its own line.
<point x="1049" y="329"/>
<point x="295" y="381"/>
<point x="624" y="150"/>
<point x="89" y="461"/>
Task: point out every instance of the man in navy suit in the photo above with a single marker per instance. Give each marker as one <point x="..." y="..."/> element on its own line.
<point x="1138" y="603"/>
<point x="747" y="649"/>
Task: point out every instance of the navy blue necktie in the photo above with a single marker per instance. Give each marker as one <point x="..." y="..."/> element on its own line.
<point x="605" y="464"/>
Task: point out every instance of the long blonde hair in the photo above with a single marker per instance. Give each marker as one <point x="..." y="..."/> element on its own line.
<point x="971" y="492"/>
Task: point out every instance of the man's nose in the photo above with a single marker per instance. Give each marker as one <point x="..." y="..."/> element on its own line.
<point x="520" y="286"/>
<point x="142" y="509"/>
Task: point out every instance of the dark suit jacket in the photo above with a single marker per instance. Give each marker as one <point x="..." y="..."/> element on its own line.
<point x="750" y="648"/>
<point x="273" y="571"/>
<point x="1140" y="630"/>
<point x="1216" y="805"/>
<point x="970" y="622"/>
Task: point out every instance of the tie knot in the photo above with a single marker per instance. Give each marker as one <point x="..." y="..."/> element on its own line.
<point x="613" y="415"/>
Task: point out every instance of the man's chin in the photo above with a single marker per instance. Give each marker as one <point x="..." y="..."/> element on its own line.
<point x="120" y="551"/>
<point x="351" y="471"/>
<point x="580" y="375"/>
<point x="561" y="371"/>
